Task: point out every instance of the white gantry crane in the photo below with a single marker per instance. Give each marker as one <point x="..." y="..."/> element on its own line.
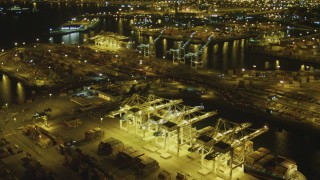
<point x="135" y="101"/>
<point x="135" y="113"/>
<point x="179" y="53"/>
<point x="224" y="148"/>
<point x="196" y="57"/>
<point x="150" y="48"/>
<point x="177" y="128"/>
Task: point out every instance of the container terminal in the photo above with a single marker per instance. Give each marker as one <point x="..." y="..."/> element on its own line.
<point x="90" y="133"/>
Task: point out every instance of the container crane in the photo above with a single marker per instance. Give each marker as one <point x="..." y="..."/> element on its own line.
<point x="138" y="117"/>
<point x="177" y="133"/>
<point x="152" y="45"/>
<point x="149" y="49"/>
<point x="145" y="49"/>
<point x="218" y="147"/>
<point x="179" y="53"/>
<point x="176" y="54"/>
<point x="135" y="101"/>
<point x="196" y="57"/>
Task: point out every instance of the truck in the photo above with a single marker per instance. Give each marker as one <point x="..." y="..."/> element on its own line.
<point x="93" y="134"/>
<point x="164" y="175"/>
<point x="3" y="141"/>
<point x="44" y="141"/>
<point x="127" y="155"/>
<point x="183" y="176"/>
<point x="72" y="122"/>
<point x="4" y="153"/>
<point x="110" y="147"/>
<point x="145" y="164"/>
<point x="14" y="149"/>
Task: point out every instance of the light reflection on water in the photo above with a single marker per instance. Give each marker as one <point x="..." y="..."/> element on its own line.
<point x="220" y="56"/>
<point x="73" y="38"/>
<point x="120" y="26"/>
<point x="283" y="140"/>
<point x="5" y="89"/>
<point x="20" y="93"/>
<point x="230" y="55"/>
<point x="12" y="92"/>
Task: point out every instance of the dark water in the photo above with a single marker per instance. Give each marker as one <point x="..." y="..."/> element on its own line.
<point x="281" y="139"/>
<point x="221" y="56"/>
<point x="290" y="142"/>
<point x="12" y="92"/>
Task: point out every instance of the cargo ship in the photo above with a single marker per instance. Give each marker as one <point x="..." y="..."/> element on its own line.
<point x="76" y="25"/>
<point x="16" y="10"/>
<point x="264" y="165"/>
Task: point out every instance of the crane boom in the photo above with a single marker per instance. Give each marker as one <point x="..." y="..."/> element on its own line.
<point x="188" y="41"/>
<point x="158" y="37"/>
<point x="168" y="104"/>
<point x="201" y="117"/>
<point x="207" y="43"/>
<point x="250" y="136"/>
<point x="235" y="129"/>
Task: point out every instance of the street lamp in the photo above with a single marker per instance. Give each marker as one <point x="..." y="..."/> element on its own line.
<point x="50" y="95"/>
<point x="101" y="119"/>
<point x="307" y="67"/>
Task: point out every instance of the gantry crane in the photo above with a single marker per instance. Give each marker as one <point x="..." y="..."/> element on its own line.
<point x="138" y="117"/>
<point x="217" y="147"/>
<point x="175" y="113"/>
<point x="136" y="110"/>
<point x="153" y="44"/>
<point x="145" y="48"/>
<point x="135" y="101"/>
<point x="196" y="57"/>
<point x="144" y="115"/>
<point x="150" y="48"/>
<point x="179" y="53"/>
<point x="178" y="130"/>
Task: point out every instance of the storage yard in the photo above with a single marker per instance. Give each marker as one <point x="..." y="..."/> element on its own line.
<point x="159" y="90"/>
<point x="154" y="144"/>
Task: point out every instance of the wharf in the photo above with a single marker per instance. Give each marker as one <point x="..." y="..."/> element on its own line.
<point x="286" y="55"/>
<point x="202" y="40"/>
<point x="76" y="26"/>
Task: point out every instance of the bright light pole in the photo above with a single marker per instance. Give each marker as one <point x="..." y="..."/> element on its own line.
<point x="50" y="95"/>
<point x="37" y="41"/>
<point x="16" y="45"/>
<point x="101" y="119"/>
<point x="254" y="67"/>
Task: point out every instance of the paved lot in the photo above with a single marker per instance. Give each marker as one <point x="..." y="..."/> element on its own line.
<point x="53" y="160"/>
